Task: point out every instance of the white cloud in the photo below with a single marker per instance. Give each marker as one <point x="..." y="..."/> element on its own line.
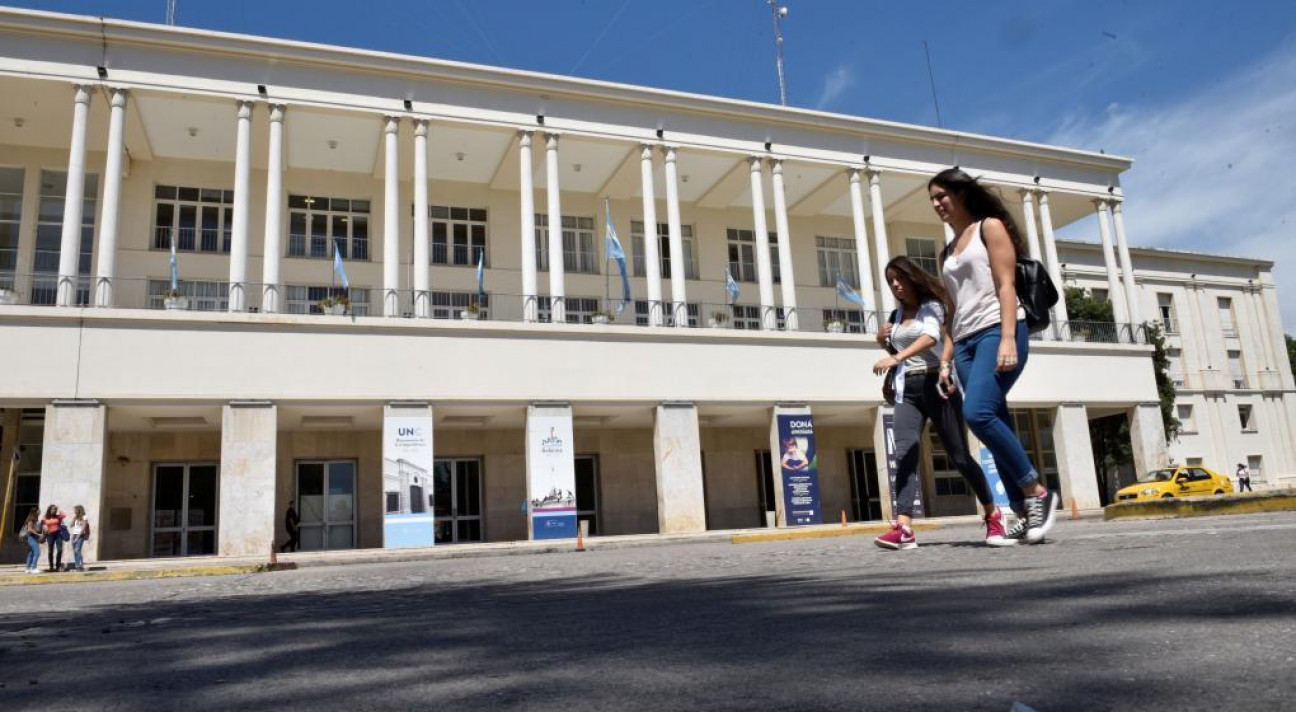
<point x="1214" y="170"/>
<point x="834" y="85"/>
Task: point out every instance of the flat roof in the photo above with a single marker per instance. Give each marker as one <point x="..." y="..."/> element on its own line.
<point x="1170" y="252"/>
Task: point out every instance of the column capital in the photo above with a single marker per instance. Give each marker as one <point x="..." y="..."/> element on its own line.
<point x="391" y="124"/>
<point x="81" y="93"/>
<point x="1101" y="204"/>
<point x="874" y="174"/>
<point x="669" y="152"/>
<point x="755" y="163"/>
<point x="524" y="137"/>
<point x="420" y="128"/>
<point x="277" y="113"/>
<point x="1027" y="194"/>
<point x="244" y="109"/>
<point x="776" y="166"/>
<point x="551" y="139"/>
<point x="1043" y="194"/>
<point x="855" y="173"/>
<point x="1116" y="204"/>
<point x="118" y="98"/>
<point x="646" y="151"/>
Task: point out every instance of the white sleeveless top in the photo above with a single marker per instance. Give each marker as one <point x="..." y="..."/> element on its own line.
<point x="970" y="282"/>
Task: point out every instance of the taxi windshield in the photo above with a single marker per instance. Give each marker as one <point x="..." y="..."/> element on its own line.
<point x="1156" y="476"/>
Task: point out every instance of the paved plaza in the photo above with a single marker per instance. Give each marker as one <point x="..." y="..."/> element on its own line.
<point x="1168" y="615"/>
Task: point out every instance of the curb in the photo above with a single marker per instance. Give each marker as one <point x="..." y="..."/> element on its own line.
<point x="1209" y="506"/>
<point x="825" y="532"/>
<point x="136" y="574"/>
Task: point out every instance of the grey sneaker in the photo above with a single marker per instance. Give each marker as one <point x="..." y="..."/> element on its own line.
<point x="1040" y="516"/>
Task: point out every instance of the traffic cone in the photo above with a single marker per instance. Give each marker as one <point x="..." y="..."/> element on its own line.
<point x="580" y="539"/>
<point x="1075" y="509"/>
<point x="843" y="517"/>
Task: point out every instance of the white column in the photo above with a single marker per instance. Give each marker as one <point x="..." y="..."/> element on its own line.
<point x="1127" y="265"/>
<point x="107" y="271"/>
<point x="274" y="202"/>
<point x="1147" y="437"/>
<point x="247" y="512"/>
<point x="1076" y="471"/>
<point x="557" y="293"/>
<point x="422" y="286"/>
<point x="1051" y="256"/>
<point x="1028" y="216"/>
<point x="764" y="274"/>
<point x="861" y="237"/>
<point x="787" y="282"/>
<point x="880" y="239"/>
<point x="527" y="208"/>
<point x="391" y="219"/>
<point x="1114" y="292"/>
<point x="242" y="201"/>
<point x="73" y="200"/>
<point x="677" y="448"/>
<point x="73" y="455"/>
<point x="679" y="261"/>
<point x="652" y="255"/>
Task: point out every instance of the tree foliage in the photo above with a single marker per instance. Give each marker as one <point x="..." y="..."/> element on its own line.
<point x="1291" y="353"/>
<point x="1081" y="305"/>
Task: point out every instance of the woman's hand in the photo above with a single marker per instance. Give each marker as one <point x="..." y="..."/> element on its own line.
<point x="884" y="335"/>
<point x="884" y="363"/>
<point x="1007" y="360"/>
<point x="946" y="381"/>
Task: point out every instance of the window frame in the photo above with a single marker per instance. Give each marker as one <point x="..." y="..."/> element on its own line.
<point x="578" y="258"/>
<point x="221" y="199"/>
<point x="664" y="257"/>
<point x="445" y="220"/>
<point x="358" y="211"/>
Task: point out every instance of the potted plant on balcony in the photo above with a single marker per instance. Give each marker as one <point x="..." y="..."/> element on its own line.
<point x="174" y="300"/>
<point x="600" y="316"/>
<point x="834" y="326"/>
<point x="335" y="305"/>
<point x="472" y="312"/>
<point x="719" y="319"/>
<point x="8" y="296"/>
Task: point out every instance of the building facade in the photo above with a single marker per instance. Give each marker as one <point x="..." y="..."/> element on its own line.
<point x="181" y="212"/>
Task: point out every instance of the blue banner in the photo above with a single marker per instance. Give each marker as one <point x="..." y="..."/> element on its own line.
<point x="799" y="465"/>
<point x="991" y="471"/>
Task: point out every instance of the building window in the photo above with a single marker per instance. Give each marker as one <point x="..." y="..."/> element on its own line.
<point x="641" y="313"/>
<point x="747" y="316"/>
<point x="317" y="225"/>
<point x="203" y="296"/>
<point x="31" y="438"/>
<point x="1175" y="359"/>
<point x="1227" y="323"/>
<point x="198" y="219"/>
<point x="1099" y="294"/>
<point x="580" y="310"/>
<point x="1254" y="463"/>
<point x="1185" y="415"/>
<point x="851" y="319"/>
<point x="579" y="254"/>
<point x="1193" y="461"/>
<point x="1165" y="306"/>
<point x="458" y="235"/>
<point x="1235" y="369"/>
<point x="447" y="305"/>
<point x="923" y="251"/>
<point x="663" y="250"/>
<point x="742" y="254"/>
<point x="305" y="299"/>
<point x="49" y="238"/>
<point x="837" y="258"/>
<point x="11" y="193"/>
<point x="1246" y="417"/>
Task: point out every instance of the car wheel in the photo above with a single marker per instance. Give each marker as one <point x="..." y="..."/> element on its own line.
<point x="1219" y="491"/>
<point x="1167" y="496"/>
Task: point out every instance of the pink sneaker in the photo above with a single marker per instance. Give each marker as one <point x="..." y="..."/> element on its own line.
<point x="995" y="535"/>
<point x="900" y="537"/>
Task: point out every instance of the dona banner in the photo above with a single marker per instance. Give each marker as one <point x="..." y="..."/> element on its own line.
<point x="407" y="482"/>
<point x="551" y="468"/>
<point x="799" y="464"/>
<point x="888" y="428"/>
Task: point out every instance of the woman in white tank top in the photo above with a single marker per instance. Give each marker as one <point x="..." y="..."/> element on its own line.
<point x="991" y="342"/>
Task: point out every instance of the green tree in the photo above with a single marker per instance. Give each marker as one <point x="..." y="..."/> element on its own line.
<point x="1082" y="306"/>
<point x="1291" y="353"/>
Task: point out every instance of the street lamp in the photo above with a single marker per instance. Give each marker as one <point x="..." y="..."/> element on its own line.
<point x="779" y="12"/>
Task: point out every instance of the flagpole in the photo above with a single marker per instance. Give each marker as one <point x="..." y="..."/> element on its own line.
<point x="9" y="490"/>
<point x="607" y="273"/>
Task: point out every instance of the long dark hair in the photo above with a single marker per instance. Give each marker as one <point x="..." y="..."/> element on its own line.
<point x="978" y="200"/>
<point x="924" y="285"/>
<point x="32" y="516"/>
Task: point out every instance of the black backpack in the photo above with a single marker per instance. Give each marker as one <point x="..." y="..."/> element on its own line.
<point x="1036" y="292"/>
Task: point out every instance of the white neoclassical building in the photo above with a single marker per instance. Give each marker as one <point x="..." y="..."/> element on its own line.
<point x="185" y="415"/>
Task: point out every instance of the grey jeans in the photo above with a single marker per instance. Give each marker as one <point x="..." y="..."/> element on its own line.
<point x="922" y="402"/>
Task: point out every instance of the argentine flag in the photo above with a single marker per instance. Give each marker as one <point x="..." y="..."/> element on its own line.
<point x="175" y="273"/>
<point x="338" y="266"/>
<point x="845" y="291"/>
<point x="481" y="277"/>
<point x="614" y="252"/>
<point x="731" y="287"/>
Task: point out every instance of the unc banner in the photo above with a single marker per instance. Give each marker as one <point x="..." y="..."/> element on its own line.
<point x="407" y="481"/>
<point x="551" y="473"/>
<point x="799" y="464"/>
<point x="888" y="428"/>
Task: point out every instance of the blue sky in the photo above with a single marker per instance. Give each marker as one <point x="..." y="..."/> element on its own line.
<point x="1201" y="94"/>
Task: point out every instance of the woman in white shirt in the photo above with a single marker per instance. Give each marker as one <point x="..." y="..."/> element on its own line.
<point x="920" y="355"/>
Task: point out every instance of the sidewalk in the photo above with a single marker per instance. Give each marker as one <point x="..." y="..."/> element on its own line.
<point x="1273" y="500"/>
<point x="140" y="569"/>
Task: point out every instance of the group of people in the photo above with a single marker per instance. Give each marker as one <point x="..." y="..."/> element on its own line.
<point x="956" y="345"/>
<point x="54" y="531"/>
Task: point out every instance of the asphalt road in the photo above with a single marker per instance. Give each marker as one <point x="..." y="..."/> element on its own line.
<point x="1194" y="614"/>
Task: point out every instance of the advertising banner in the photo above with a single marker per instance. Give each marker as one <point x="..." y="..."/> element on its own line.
<point x="407" y="482"/>
<point x="991" y="471"/>
<point x="551" y="473"/>
<point x="799" y="464"/>
<point x="888" y="423"/>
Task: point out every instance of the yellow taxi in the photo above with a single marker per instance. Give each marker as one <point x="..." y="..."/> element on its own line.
<point x="1180" y="481"/>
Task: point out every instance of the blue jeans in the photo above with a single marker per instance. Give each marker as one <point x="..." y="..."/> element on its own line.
<point x="985" y="405"/>
<point x="33" y="556"/>
<point x="76" y="553"/>
<point x="55" y="544"/>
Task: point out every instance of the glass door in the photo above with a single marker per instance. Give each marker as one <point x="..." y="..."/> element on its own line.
<point x="587" y="492"/>
<point x="765" y="485"/>
<point x="456" y="500"/>
<point x="326" y="504"/>
<point x="184" y="510"/>
<point x="866" y="499"/>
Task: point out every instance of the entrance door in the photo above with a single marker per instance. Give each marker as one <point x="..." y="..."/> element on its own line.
<point x="765" y="481"/>
<point x="326" y="504"/>
<point x="456" y="500"/>
<point x="587" y="492"/>
<point x="184" y="510"/>
<point x="866" y="497"/>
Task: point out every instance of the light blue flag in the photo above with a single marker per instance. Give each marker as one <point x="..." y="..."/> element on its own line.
<point x="731" y="287"/>
<point x="847" y="292"/>
<point x="175" y="272"/>
<point x="481" y="277"/>
<point x="338" y="266"/>
<point x="614" y="252"/>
